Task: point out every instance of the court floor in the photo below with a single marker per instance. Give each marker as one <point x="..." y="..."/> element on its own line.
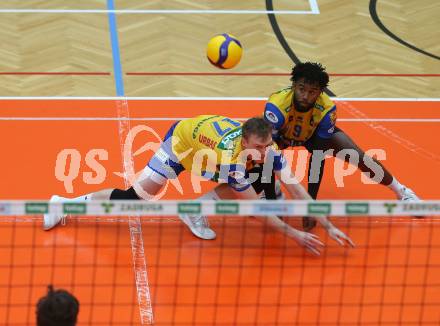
<point x="249" y="275"/>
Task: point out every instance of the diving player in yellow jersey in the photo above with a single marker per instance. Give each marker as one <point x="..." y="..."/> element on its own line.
<point x="303" y="115"/>
<point x="222" y="150"/>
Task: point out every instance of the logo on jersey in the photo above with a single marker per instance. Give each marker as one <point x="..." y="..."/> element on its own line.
<point x="201" y="122"/>
<point x="208" y="142"/>
<point x="319" y="107"/>
<point x="333" y="117"/>
<point x="271" y="116"/>
<point x="227" y="142"/>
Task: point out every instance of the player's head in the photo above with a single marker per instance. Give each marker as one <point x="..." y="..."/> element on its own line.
<point x="309" y="80"/>
<point x="257" y="134"/>
<point x="57" y="308"/>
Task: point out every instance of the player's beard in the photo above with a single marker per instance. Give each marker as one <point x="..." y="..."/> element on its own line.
<point x="302" y="107"/>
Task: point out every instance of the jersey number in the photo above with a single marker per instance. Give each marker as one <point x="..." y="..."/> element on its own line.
<point x="221" y="132"/>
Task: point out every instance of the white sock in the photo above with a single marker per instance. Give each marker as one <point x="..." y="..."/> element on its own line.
<point x="397" y="187"/>
<point x="210" y="195"/>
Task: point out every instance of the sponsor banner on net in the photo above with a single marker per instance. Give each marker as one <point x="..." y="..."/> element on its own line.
<point x="405" y="208"/>
<point x="5" y="208"/>
<point x="267" y="208"/>
<point x="140" y="208"/>
<point x="36" y="208"/>
<point x="75" y="208"/>
<point x="226" y="208"/>
<point x="131" y="208"/>
<point x="319" y="208"/>
<point x="421" y="207"/>
<point x="107" y="207"/>
<point x="389" y="207"/>
<point x="189" y="208"/>
<point x="357" y="208"/>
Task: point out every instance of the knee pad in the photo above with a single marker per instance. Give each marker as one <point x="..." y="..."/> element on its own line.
<point x="267" y="187"/>
<point x="128" y="194"/>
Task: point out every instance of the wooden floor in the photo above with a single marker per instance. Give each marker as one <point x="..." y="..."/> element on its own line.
<point x="342" y="36"/>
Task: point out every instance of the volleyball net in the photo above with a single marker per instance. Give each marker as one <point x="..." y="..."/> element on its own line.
<point x="136" y="263"/>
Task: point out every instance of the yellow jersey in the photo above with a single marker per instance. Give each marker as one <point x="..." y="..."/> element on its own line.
<point x="297" y="127"/>
<point x="210" y="146"/>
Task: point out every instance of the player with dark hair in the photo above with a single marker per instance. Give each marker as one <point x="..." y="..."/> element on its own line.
<point x="222" y="150"/>
<point x="303" y="115"/>
<point x="57" y="308"/>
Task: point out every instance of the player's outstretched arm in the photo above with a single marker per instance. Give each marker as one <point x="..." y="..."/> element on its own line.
<point x="296" y="190"/>
<point x="307" y="240"/>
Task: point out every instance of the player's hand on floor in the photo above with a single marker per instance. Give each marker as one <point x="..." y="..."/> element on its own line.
<point x="340" y="236"/>
<point x="309" y="241"/>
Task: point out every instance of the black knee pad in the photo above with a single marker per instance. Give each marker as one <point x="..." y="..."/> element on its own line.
<point x="128" y="194"/>
<point x="259" y="186"/>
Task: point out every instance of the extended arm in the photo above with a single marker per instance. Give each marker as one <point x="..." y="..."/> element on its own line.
<point x="296" y="190"/>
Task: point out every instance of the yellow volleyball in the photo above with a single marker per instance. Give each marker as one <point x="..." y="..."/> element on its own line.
<point x="224" y="51"/>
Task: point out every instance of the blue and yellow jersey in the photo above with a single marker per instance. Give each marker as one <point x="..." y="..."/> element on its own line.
<point x="297" y="127"/>
<point x="210" y="146"/>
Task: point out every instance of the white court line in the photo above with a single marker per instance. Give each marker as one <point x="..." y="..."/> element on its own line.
<point x="182" y="118"/>
<point x="134" y="222"/>
<point x="201" y="98"/>
<point x="314" y="11"/>
<point x="314" y="7"/>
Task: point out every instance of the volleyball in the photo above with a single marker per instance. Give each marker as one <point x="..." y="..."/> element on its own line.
<point x="224" y="51"/>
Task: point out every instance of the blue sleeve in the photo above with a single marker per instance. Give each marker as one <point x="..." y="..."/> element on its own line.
<point x="277" y="157"/>
<point x="274" y="116"/>
<point x="326" y="127"/>
<point x="279" y="162"/>
<point x="236" y="176"/>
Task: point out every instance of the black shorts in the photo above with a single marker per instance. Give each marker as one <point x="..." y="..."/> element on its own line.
<point x="311" y="143"/>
